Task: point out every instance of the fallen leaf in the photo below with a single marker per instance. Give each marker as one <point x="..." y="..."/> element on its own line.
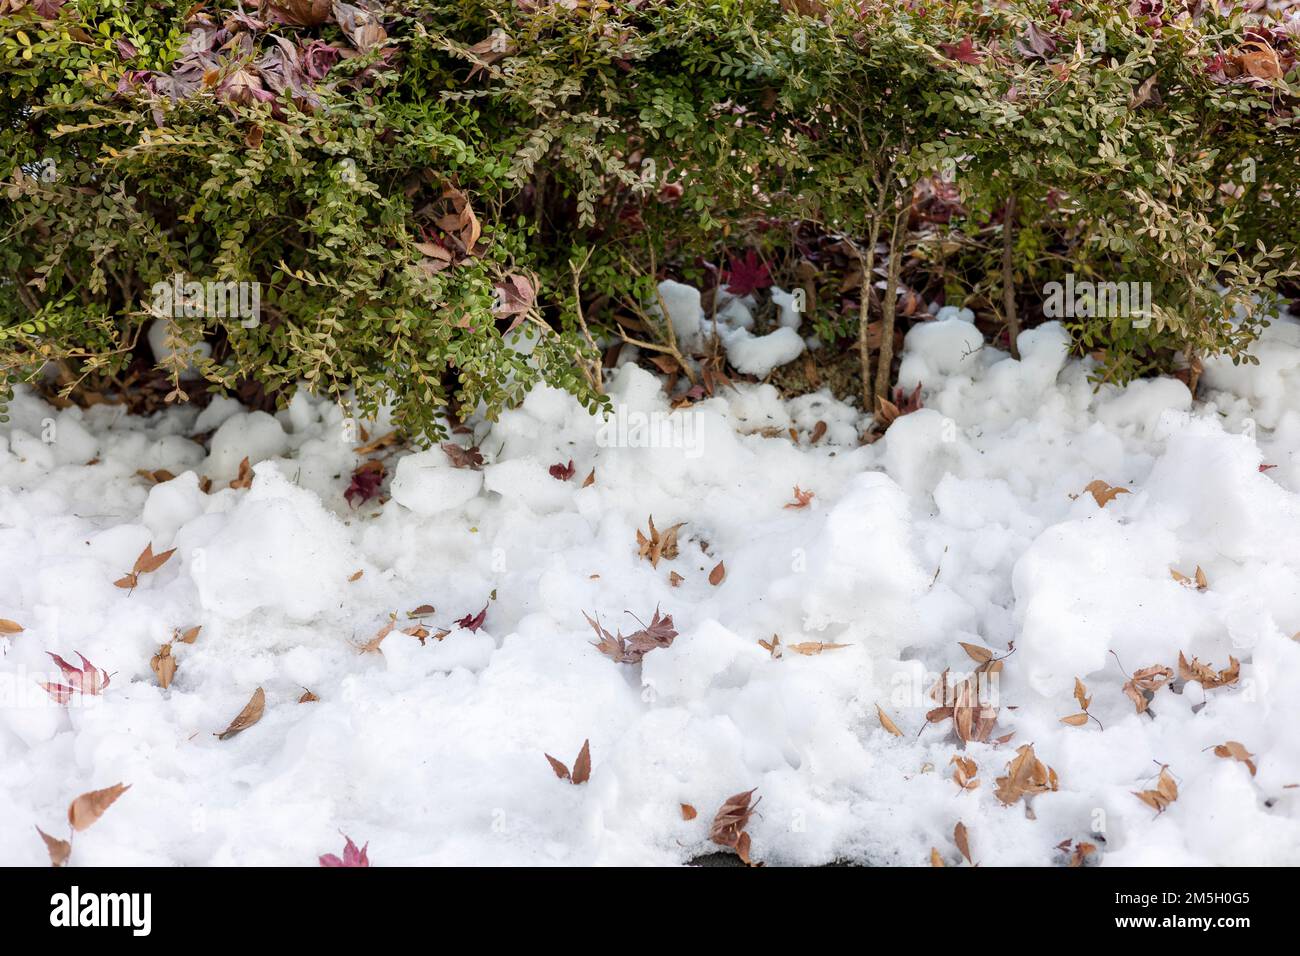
<point x="582" y="765"/>
<point x="1141" y="687"/>
<point x="801" y="498"/>
<point x="773" y="646"/>
<point x="189" y="635"/>
<point x="1075" y="720"/>
<point x="86" y="679"/>
<point x="688" y="812"/>
<point x="472" y="622"/>
<point x="658" y="544"/>
<point x="810" y="648"/>
<point x="372" y="646"/>
<point x="717" y="575"/>
<point x="562" y="472"/>
<point x="935" y="858"/>
<point x="10" y="627"/>
<point x="1238" y="752"/>
<point x="462" y="457"/>
<point x="89" y="807"/>
<point x="630" y="649"/>
<point x="675" y="579"/>
<point x="352" y="857"/>
<point x="59" y="850"/>
<point x="247" y="717"/>
<point x="965" y="770"/>
<point x="1165" y="792"/>
<point x="164" y="666"/>
<point x="245" y="477"/>
<point x="590" y="479"/>
<point x="980" y="655"/>
<point x="365" y="483"/>
<point x="888" y="724"/>
<point x="146" y="563"/>
<point x="962" y="839"/>
<point x="307" y="697"/>
<point x="1205" y="675"/>
<point x="731" y="819"/>
<point x="383" y="441"/>
<point x="1104" y="493"/>
<point x="1026" y="775"/>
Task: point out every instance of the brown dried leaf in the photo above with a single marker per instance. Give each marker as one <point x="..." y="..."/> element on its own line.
<point x="888" y="724"/>
<point x="717" y="575"/>
<point x="1165" y="792"/>
<point x="89" y="807"/>
<point x="560" y="769"/>
<point x="189" y="635"/>
<point x="10" y="627"/>
<point x="980" y="655"/>
<point x="1081" y="694"/>
<point x="1026" y="775"/>
<point x="372" y="645"/>
<point x="801" y="498"/>
<point x="582" y="766"/>
<point x="148" y="562"/>
<point x="247" y="717"/>
<point x="658" y="544"/>
<point x="1141" y="687"/>
<point x="1205" y="675"/>
<point x="59" y="850"/>
<point x="731" y="819"/>
<point x="245" y="477"/>
<point x="962" y="839"/>
<point x="1104" y="493"/>
<point x="935" y="858"/>
<point x="307" y="697"/>
<point x="1238" y="752"/>
<point x="810" y="648"/>
<point x="1075" y="720"/>
<point x="164" y="666"/>
<point x="675" y="579"/>
<point x="688" y="812"/>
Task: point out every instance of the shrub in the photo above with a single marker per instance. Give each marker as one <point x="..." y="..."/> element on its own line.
<point x="413" y="187"/>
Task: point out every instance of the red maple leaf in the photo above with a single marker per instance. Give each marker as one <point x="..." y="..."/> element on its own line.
<point x="963" y="52"/>
<point x="365" y="482"/>
<point x="746" y="275"/>
<point x="351" y="855"/>
<point x="562" y="472"/>
<point x="472" y="622"/>
<point x="87" y="679"/>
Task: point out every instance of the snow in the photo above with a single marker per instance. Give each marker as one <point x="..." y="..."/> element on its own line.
<point x="967" y="522"/>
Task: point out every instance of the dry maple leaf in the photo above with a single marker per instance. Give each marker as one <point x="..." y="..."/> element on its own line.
<point x="365" y="483"/>
<point x="1236" y="751"/>
<point x="1165" y="792"/>
<point x="59" y="850"/>
<point x="1026" y="775"/>
<point x="688" y="812"/>
<point x="718" y="574"/>
<point x="659" y="544"/>
<point x="247" y="717"/>
<point x="245" y="477"/>
<point x="562" y="472"/>
<point x="146" y="563"/>
<point x="629" y="650"/>
<point x="89" y="807"/>
<point x="801" y="498"/>
<point x="462" y="457"/>
<point x="888" y="724"/>
<point x="1205" y="675"/>
<point x="86" y="679"/>
<point x="1141" y="687"/>
<point x="472" y="622"/>
<point x="164" y="666"/>
<point x="1104" y="493"/>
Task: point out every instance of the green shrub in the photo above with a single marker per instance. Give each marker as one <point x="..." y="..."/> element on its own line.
<point x="406" y="186"/>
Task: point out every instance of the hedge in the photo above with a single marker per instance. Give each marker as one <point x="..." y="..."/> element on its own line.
<point x="414" y="189"/>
